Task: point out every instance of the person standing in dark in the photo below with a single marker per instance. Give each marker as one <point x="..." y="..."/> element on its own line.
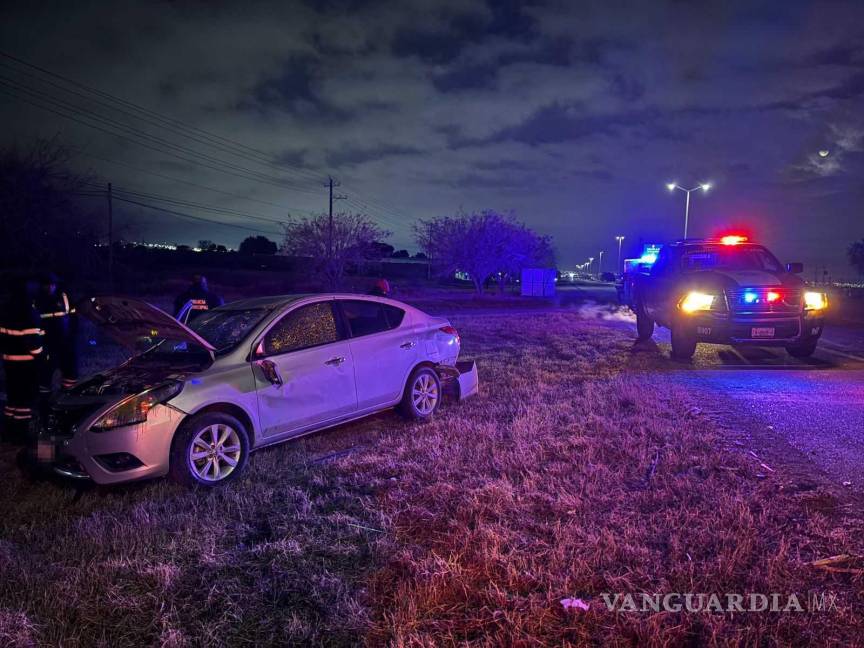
<point x="21" y="346"/>
<point x="60" y="323"/>
<point x="196" y="299"/>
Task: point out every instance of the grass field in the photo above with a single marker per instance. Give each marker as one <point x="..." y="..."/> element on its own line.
<point x="569" y="476"/>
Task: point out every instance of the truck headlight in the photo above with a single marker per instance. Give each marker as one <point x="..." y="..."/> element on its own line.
<point x="134" y="409"/>
<point x="815" y="300"/>
<point x="696" y="301"/>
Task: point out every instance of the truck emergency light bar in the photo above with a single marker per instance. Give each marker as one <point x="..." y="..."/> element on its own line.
<point x="733" y="239"/>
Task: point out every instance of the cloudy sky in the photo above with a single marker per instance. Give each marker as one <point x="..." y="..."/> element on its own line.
<point x="572" y="115"/>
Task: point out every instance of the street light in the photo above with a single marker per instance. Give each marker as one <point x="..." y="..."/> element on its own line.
<point x="620" y="239"/>
<point x="672" y="186"/>
<point x="590" y="264"/>
<point x="600" y="264"/>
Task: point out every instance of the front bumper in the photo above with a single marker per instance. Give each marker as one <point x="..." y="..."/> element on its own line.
<point x="115" y="456"/>
<point x="778" y="329"/>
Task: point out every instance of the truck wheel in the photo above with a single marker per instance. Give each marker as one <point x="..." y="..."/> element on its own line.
<point x="209" y="450"/>
<point x="802" y="350"/>
<point x="683" y="342"/>
<point x="644" y="325"/>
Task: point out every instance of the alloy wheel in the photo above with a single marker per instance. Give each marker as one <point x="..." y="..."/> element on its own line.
<point x="214" y="452"/>
<point x="424" y="394"/>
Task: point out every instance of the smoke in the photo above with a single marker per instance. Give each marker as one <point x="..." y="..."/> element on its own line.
<point x="606" y="312"/>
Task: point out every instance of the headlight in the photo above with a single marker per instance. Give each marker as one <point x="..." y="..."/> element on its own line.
<point x="815" y="301"/>
<point x="134" y="409"/>
<point x="696" y="301"/>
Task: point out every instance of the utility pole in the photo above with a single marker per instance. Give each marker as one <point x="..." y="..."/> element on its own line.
<point x="110" y="239"/>
<point x="620" y="239"/>
<point x="331" y="184"/>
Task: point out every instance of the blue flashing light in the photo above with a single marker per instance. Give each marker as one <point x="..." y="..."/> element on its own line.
<point x="750" y="297"/>
<point x="648" y="259"/>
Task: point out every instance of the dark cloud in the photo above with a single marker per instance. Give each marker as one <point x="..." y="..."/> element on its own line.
<point x="572" y="114"/>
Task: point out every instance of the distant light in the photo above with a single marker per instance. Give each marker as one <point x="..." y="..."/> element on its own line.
<point x="706" y="186"/>
<point x="671" y="186"/>
<point x="824" y="153"/>
<point x="648" y="258"/>
<point x="733" y="239"/>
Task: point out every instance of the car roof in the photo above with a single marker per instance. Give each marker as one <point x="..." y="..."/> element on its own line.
<point x="279" y="301"/>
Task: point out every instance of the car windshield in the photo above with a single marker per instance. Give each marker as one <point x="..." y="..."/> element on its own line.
<point x="730" y="257"/>
<point x="224" y="329"/>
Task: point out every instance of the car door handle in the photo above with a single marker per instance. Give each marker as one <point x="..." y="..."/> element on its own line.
<point x="408" y="345"/>
<point x="335" y="362"/>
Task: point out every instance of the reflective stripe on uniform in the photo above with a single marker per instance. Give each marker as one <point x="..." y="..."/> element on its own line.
<point x="62" y="313"/>
<point x="199" y="304"/>
<point x="19" y="358"/>
<point x="29" y="331"/>
<point x="36" y="351"/>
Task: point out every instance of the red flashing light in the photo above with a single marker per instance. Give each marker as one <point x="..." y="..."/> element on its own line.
<point x="772" y="296"/>
<point x="733" y="239"/>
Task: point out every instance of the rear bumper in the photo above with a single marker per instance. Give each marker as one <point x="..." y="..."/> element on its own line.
<point x="779" y="330"/>
<point x="462" y="378"/>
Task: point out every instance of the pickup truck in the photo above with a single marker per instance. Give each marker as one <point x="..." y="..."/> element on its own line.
<point x="725" y="291"/>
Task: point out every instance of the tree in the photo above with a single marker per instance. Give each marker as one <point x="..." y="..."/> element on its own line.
<point x="420" y="256"/>
<point x="380" y="250"/>
<point x="401" y="254"/>
<point x="482" y="244"/>
<point x="206" y="246"/>
<point x="856" y="255"/>
<point x="258" y="245"/>
<point x="43" y="224"/>
<point x="354" y="239"/>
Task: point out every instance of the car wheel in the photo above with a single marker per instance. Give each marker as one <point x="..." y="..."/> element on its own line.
<point x="644" y="325"/>
<point x="422" y="395"/>
<point x="683" y="342"/>
<point x="804" y="350"/>
<point x="209" y="450"/>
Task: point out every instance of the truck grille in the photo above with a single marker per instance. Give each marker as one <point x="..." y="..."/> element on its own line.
<point x="758" y="301"/>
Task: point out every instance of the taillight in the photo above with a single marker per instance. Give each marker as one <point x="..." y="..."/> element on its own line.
<point x="449" y="330"/>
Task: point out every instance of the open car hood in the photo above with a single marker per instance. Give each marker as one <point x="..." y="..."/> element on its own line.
<point x="132" y="322"/>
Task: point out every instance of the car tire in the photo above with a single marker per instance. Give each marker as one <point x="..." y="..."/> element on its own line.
<point x="422" y="395"/>
<point x="196" y="459"/>
<point x="683" y="342"/>
<point x="802" y="350"/>
<point x="644" y="325"/>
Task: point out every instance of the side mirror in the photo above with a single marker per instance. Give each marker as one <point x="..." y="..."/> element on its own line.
<point x="795" y="268"/>
<point x="271" y="373"/>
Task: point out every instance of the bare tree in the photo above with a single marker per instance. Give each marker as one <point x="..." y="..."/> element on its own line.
<point x="482" y="244"/>
<point x="42" y="223"/>
<point x="354" y="239"/>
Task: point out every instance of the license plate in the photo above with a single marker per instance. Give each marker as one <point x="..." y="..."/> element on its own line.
<point x="762" y="332"/>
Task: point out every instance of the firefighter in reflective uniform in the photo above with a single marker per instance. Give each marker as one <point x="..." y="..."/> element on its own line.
<point x="60" y="323"/>
<point x="197" y="299"/>
<point x="21" y="345"/>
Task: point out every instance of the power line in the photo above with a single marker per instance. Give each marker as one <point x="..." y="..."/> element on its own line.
<point x="190" y="183"/>
<point x="237" y="148"/>
<point x="160" y="144"/>
<point x="196" y="218"/>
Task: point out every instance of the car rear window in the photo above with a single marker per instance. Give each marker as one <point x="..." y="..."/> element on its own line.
<point x="368" y="317"/>
<point x="308" y="326"/>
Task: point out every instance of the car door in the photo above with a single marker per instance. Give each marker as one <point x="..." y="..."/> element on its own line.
<point x="385" y="348"/>
<point x="304" y="373"/>
<point x="659" y="286"/>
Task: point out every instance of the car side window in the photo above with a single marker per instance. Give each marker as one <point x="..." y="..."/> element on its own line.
<point x="368" y="317"/>
<point x="308" y="326"/>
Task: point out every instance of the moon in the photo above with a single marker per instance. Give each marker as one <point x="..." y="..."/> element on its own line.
<point x="824" y="153"/>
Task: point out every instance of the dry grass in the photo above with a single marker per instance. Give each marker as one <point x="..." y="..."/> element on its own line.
<point x="467" y="530"/>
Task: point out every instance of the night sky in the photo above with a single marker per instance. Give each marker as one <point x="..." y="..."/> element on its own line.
<point x="572" y="115"/>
